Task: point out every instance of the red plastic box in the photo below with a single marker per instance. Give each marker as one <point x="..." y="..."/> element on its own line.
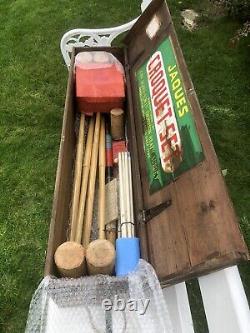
<point x="99" y="82"/>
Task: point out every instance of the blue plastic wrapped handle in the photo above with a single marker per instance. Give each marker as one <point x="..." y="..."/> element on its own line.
<point x="127" y="255"/>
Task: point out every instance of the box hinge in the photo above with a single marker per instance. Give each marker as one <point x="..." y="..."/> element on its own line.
<point x="148" y="214"/>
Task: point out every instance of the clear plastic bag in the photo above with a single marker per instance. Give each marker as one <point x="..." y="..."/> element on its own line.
<point x="97" y="59"/>
<point x="134" y="303"/>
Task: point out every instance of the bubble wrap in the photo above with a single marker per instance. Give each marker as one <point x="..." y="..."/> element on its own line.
<point x="76" y="305"/>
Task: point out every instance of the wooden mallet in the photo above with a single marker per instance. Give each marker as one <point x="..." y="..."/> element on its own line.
<point x="70" y="256"/>
<point x="100" y="254"/>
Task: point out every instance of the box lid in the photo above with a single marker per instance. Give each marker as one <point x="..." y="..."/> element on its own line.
<point x="192" y="227"/>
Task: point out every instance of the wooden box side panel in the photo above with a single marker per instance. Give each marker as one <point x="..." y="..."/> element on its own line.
<point x="63" y="185"/>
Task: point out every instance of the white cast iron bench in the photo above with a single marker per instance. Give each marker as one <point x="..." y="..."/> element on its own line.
<point x="223" y="295"/>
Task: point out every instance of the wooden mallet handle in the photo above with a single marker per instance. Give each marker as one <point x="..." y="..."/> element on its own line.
<point x="102" y="164"/>
<point x="91" y="186"/>
<point x="85" y="176"/>
<point x="77" y="178"/>
<point x="100" y="254"/>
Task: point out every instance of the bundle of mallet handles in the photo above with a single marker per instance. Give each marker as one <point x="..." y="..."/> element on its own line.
<point x="99" y="254"/>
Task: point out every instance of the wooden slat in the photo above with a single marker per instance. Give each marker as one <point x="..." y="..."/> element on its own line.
<point x="61" y="203"/>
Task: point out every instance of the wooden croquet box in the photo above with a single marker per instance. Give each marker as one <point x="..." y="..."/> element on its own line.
<point x="185" y="219"/>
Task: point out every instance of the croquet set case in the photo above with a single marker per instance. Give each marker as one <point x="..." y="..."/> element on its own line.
<point x="184" y="216"/>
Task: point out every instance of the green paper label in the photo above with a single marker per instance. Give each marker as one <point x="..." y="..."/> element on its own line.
<point x="171" y="142"/>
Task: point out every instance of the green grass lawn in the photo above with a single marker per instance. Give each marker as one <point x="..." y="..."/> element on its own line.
<point x="32" y="92"/>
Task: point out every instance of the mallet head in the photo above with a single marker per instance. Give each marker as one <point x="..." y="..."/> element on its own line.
<point x="100" y="257"/>
<point x="70" y="259"/>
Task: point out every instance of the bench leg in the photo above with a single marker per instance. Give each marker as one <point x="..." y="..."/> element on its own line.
<point x="176" y="298"/>
<point x="225" y="302"/>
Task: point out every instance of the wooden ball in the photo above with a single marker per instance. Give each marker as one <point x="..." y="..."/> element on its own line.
<point x="70" y="259"/>
<point x="100" y="257"/>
